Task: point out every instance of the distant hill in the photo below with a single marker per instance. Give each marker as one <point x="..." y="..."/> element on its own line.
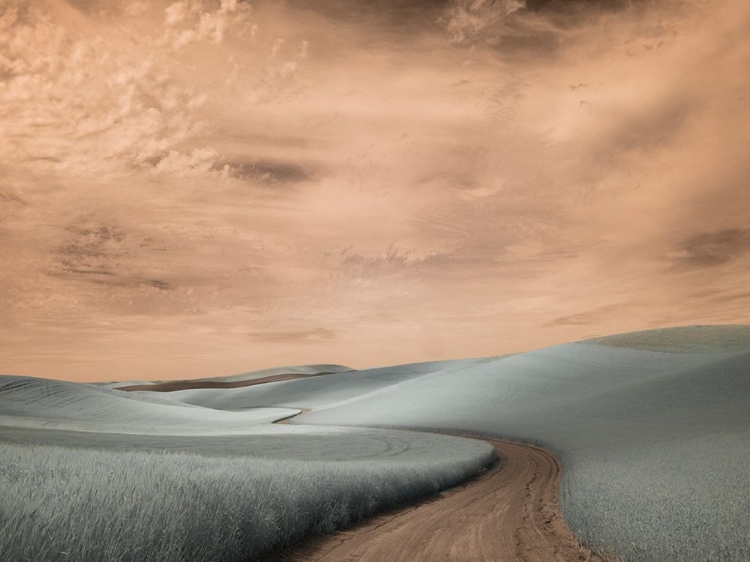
<point x="685" y="339"/>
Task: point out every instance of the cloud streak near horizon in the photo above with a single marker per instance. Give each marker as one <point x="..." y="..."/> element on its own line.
<point x="205" y="187"/>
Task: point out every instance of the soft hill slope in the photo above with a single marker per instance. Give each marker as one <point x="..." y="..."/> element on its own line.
<point x="655" y="444"/>
<point x="322" y="369"/>
<point x="685" y="339"/>
<point x="52" y="404"/>
<point x="653" y="429"/>
<point x="317" y="392"/>
<point x="232" y="381"/>
<point x="91" y="474"/>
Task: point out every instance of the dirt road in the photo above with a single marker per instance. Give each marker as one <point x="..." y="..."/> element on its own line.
<point x="508" y="514"/>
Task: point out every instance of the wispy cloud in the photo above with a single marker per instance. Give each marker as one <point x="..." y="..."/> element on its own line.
<point x="296" y="336"/>
<point x="708" y="249"/>
<point x="224" y="184"/>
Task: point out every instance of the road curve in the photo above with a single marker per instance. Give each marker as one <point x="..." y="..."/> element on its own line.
<point x="509" y="514"/>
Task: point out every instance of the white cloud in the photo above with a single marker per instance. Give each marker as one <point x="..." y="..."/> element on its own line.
<point x="469" y="20"/>
<point x="190" y="21"/>
<point x="200" y="161"/>
<point x="478" y="187"/>
<point x="75" y="104"/>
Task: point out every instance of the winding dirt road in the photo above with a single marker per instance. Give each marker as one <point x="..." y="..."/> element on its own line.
<point x="509" y="514"/>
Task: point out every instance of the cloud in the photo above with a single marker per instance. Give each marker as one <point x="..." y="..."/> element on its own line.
<point x="392" y="261"/>
<point x="200" y="161"/>
<point x="91" y="249"/>
<point x="708" y="249"/>
<point x="191" y="21"/>
<point x="182" y="177"/>
<point x="269" y="171"/>
<point x="296" y="336"/>
<point x="467" y="21"/>
<point x="11" y="198"/>
<point x="587" y="318"/>
<point x="72" y="102"/>
<point x="96" y="254"/>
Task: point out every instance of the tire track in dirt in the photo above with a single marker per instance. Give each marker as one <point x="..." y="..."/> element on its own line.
<point x="511" y="513"/>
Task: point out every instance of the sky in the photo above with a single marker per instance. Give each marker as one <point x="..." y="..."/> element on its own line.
<point x="205" y="187"/>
